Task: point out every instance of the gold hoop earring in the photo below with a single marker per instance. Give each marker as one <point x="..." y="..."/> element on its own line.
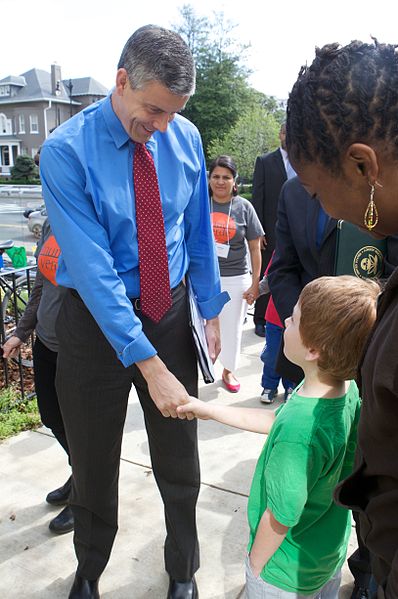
<point x="371" y="217"/>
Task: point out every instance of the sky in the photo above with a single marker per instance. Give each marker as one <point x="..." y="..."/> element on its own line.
<point x="85" y="37"/>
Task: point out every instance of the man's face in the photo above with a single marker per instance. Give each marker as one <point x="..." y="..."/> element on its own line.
<point x="146" y="110"/>
<point x="282" y="137"/>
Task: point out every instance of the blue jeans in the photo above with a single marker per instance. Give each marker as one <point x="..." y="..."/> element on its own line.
<point x="270" y="378"/>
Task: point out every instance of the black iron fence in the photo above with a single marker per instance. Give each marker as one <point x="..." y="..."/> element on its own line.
<point x="15" y="288"/>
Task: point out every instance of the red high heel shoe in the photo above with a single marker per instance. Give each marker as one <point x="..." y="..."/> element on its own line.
<point x="231" y="388"/>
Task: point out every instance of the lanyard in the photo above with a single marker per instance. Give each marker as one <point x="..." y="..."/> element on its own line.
<point x="229" y="215"/>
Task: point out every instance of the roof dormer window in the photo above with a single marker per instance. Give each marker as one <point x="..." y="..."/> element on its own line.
<point x="4" y="90"/>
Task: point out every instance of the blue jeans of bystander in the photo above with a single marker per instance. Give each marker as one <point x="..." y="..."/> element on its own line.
<point x="270" y="378"/>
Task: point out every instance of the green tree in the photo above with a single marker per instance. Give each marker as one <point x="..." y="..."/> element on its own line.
<point x="255" y="132"/>
<point x="24" y="169"/>
<point x="221" y="83"/>
<point x="223" y="95"/>
<point x="271" y="106"/>
<point x="194" y="30"/>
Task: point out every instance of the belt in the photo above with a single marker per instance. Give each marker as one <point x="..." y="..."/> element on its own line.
<point x="136" y="301"/>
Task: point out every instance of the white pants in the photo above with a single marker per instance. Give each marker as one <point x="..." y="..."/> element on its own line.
<point x="231" y="319"/>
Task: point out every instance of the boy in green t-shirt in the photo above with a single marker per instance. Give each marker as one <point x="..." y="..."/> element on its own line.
<point x="298" y="535"/>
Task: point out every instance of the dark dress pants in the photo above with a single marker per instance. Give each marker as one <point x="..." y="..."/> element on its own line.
<point x="93" y="388"/>
<point x="45" y="368"/>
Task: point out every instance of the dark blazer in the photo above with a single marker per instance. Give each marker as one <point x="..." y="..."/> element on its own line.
<point x="297" y="260"/>
<point x="269" y="176"/>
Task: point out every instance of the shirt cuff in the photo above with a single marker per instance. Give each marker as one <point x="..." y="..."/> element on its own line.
<point x="139" y="349"/>
<point x="212" y="307"/>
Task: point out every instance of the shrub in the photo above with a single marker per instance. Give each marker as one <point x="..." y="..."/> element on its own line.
<point x="24" y="168"/>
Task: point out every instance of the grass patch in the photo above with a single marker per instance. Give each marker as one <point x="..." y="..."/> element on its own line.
<point x="16" y="415"/>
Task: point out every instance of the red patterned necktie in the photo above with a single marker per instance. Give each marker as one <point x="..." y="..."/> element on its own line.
<point x="154" y="267"/>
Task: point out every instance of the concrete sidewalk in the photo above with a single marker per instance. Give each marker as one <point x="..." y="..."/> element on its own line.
<point x="35" y="564"/>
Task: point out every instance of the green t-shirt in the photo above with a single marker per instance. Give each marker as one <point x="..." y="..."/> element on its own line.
<point x="310" y="448"/>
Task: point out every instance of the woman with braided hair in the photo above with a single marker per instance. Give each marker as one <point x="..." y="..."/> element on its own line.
<point x="342" y="139"/>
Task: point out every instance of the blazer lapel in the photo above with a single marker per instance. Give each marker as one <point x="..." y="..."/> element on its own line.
<point x="312" y="209"/>
<point x="279" y="162"/>
<point x="331" y="224"/>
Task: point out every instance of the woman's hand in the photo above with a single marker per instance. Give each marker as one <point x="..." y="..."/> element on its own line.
<point x="251" y="294"/>
<point x="11" y="347"/>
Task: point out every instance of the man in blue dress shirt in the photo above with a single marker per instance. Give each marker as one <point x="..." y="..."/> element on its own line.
<point x="105" y="342"/>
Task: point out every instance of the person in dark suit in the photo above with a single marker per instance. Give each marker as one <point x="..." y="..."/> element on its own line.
<point x="305" y="239"/>
<point x="305" y="245"/>
<point x="270" y="173"/>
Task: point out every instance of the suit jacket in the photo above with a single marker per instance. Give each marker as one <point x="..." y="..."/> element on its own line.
<point x="269" y="176"/>
<point x="297" y="260"/>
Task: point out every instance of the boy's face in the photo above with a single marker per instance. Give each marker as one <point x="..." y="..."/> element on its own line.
<point x="294" y="349"/>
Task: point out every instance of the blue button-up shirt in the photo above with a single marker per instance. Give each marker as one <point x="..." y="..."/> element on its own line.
<point x="87" y="176"/>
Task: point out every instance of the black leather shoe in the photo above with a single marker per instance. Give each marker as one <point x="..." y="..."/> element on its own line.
<point x="183" y="590"/>
<point x="60" y="496"/>
<point x="84" y="589"/>
<point x="63" y="522"/>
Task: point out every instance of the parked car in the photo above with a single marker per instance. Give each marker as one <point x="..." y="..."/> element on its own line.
<point x="30" y="210"/>
<point x="35" y="222"/>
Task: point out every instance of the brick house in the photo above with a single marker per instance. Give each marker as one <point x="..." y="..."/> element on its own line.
<point x="34" y="103"/>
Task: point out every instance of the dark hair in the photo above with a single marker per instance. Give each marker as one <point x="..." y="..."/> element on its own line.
<point x="225" y="162"/>
<point x="349" y="94"/>
<point x="156" y="54"/>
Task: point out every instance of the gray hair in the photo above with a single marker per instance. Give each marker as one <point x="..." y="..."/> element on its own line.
<point x="156" y="54"/>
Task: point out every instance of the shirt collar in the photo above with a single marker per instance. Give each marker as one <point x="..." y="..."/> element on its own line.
<point x="115" y="127"/>
<point x="284" y="154"/>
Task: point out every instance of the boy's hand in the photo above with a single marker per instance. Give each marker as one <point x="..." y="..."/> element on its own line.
<point x="195" y="408"/>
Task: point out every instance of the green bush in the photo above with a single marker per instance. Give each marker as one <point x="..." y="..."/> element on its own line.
<point x="9" y="181"/>
<point x="16" y="415"/>
<point x="246" y="195"/>
<point x="24" y="169"/>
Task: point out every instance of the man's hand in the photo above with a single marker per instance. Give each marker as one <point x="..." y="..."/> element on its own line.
<point x="212" y="330"/>
<point x="11" y="347"/>
<point x="165" y="389"/>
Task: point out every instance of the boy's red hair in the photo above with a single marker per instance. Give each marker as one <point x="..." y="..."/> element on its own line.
<point x="337" y="314"/>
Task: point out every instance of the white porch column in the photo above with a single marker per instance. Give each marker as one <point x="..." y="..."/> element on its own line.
<point x="10" y="154"/>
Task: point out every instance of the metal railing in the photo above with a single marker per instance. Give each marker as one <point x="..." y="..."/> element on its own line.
<point x="15" y="288"/>
<point x="21" y="191"/>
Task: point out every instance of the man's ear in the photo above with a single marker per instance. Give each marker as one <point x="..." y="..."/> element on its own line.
<point x="361" y="161"/>
<point x="121" y="81"/>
